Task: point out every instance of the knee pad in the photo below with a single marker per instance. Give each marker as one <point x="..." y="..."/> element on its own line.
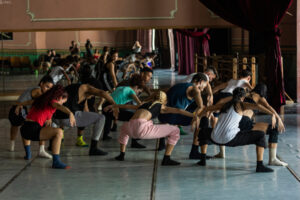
<point x="273" y="134"/>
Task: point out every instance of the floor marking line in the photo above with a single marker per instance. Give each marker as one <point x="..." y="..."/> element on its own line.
<point x="291" y="170"/>
<point x="154" y="174"/>
<point x="17" y="175"/>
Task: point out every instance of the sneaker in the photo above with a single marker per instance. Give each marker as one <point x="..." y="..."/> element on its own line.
<point x="80" y="142"/>
<point x="182" y="132"/>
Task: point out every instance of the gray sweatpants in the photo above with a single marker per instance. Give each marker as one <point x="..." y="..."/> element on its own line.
<point x="84" y="119"/>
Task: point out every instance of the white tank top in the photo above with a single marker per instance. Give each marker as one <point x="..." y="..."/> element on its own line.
<point x="232" y="84"/>
<point x="227" y="126"/>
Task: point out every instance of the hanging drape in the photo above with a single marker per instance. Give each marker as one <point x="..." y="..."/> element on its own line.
<point x="261" y="16"/>
<point x="189" y="43"/>
<point x="144" y="36"/>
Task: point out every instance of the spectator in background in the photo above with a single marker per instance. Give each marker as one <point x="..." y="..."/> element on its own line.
<point x="89" y="48"/>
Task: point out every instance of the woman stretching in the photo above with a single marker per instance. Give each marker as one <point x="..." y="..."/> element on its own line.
<point x="42" y="110"/>
<point x="227" y="131"/>
<point x="122" y="95"/>
<point x="18" y="112"/>
<point x="258" y="96"/>
<point x="141" y="126"/>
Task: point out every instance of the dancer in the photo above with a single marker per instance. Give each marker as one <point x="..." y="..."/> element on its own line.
<point x="227" y="131"/>
<point x="78" y="95"/>
<point x="123" y="95"/>
<point x="42" y="110"/>
<point x="109" y="77"/>
<point x="181" y="96"/>
<point x="145" y="75"/>
<point x="141" y="126"/>
<point x="226" y="92"/>
<point x="18" y="112"/>
<point x="258" y="96"/>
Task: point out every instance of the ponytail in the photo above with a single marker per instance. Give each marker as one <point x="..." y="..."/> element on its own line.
<point x="237" y="94"/>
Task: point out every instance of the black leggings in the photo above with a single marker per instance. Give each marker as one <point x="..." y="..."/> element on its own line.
<point x="124" y="115"/>
<point x="243" y="137"/>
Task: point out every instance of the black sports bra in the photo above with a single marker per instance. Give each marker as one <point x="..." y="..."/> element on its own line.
<point x="155" y="110"/>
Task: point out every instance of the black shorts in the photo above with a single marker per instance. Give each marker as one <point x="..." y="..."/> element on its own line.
<point x="31" y="131"/>
<point x="16" y="120"/>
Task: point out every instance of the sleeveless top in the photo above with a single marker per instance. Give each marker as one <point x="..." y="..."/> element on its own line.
<point x="232" y="84"/>
<point x="107" y="76"/>
<point x="72" y="102"/>
<point x="177" y="96"/>
<point x="155" y="110"/>
<point x="227" y="126"/>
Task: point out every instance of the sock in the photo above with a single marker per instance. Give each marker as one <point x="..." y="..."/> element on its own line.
<point x="135" y="144"/>
<point x="12" y="145"/>
<point x="261" y="168"/>
<point x="273" y="160"/>
<point x="43" y="153"/>
<point x="167" y="161"/>
<point x="194" y="154"/>
<point x="221" y="154"/>
<point x="121" y="157"/>
<point x="57" y="164"/>
<point x="94" y="151"/>
<point x="202" y="161"/>
<point x="28" y="152"/>
<point x="162" y="144"/>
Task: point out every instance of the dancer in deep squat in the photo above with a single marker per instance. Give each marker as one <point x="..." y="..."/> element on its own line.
<point x="141" y="126"/>
<point x="78" y="95"/>
<point x="181" y="96"/>
<point x="224" y="91"/>
<point x="123" y="95"/>
<point x="258" y="96"/>
<point x="42" y="110"/>
<point x="18" y="112"/>
<point x="227" y="131"/>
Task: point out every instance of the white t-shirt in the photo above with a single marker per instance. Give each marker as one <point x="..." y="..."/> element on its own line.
<point x="57" y="73"/>
<point x="189" y="78"/>
<point x="232" y="84"/>
<point x="227" y="127"/>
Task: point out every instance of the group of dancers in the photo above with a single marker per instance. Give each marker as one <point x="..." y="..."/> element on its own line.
<point x="222" y="115"/>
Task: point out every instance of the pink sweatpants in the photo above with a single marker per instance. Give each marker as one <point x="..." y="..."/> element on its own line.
<point x="144" y="129"/>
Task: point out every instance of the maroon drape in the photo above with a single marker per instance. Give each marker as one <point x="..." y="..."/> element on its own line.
<point x="189" y="43"/>
<point x="261" y="16"/>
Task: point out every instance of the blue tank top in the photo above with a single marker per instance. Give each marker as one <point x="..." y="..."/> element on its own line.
<point x="177" y="96"/>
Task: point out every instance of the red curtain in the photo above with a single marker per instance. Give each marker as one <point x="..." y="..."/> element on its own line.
<point x="189" y="43"/>
<point x="261" y="16"/>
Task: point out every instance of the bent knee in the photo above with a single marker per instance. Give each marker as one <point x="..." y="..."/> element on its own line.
<point x="59" y="133"/>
